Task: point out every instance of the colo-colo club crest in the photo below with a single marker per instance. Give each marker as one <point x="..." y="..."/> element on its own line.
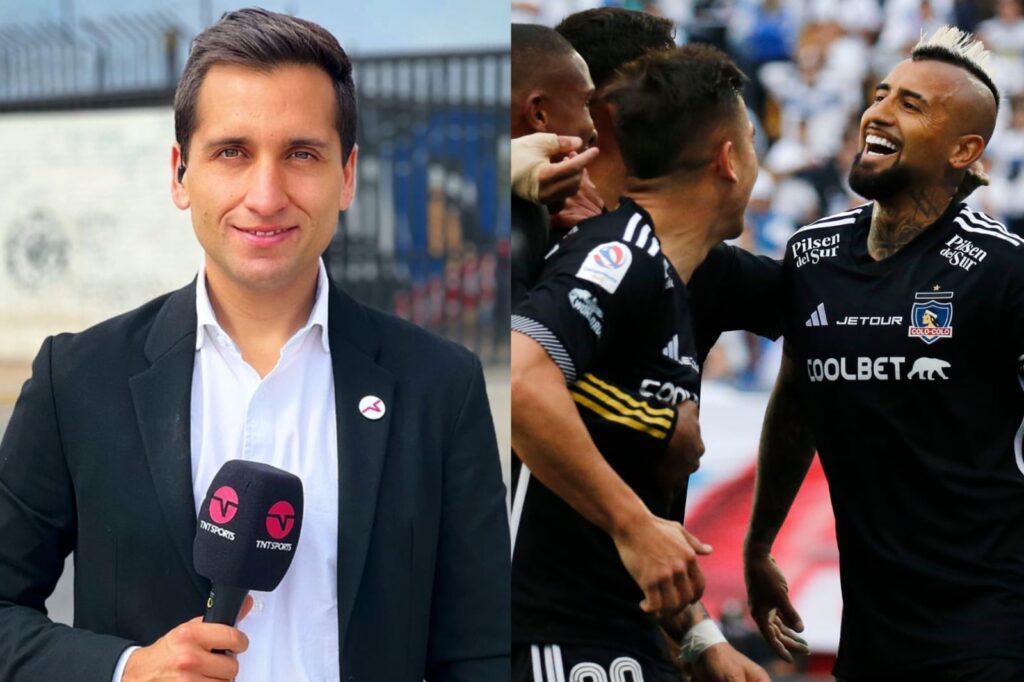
<point x="931" y="318"/>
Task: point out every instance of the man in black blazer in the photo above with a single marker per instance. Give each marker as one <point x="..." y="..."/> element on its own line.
<point x="98" y="459"/>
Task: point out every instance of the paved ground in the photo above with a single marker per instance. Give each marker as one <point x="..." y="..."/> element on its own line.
<point x="60" y="603"/>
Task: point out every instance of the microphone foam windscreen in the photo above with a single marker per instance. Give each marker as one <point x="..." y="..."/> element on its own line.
<point x="248" y="526"/>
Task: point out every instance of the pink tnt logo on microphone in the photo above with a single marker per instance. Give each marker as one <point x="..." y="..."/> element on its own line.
<point x="280" y="520"/>
<point x="224" y="504"/>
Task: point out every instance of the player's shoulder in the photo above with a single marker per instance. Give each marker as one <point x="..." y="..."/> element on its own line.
<point x="608" y="248"/>
<point x="973" y="229"/>
<point x="831" y="224"/>
<point x="629" y="227"/>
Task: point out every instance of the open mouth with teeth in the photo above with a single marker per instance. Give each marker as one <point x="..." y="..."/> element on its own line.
<point x="265" y="237"/>
<point x="875" y="145"/>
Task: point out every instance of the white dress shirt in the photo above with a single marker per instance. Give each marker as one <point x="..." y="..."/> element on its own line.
<point x="286" y="419"/>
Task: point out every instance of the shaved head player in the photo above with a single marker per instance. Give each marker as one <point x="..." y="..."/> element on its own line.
<point x="904" y="326"/>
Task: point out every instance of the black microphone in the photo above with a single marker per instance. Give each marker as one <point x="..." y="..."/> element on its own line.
<point x="247" y="531"/>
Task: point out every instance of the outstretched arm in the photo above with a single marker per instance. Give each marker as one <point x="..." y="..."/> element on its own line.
<point x="786" y="452"/>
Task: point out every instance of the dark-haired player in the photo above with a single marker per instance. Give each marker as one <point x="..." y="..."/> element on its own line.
<point x="605" y="383"/>
<point x="732" y="289"/>
<point x="551" y="91"/>
<point x="904" y="325"/>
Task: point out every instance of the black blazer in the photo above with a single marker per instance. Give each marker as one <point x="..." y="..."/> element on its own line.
<point x="96" y="460"/>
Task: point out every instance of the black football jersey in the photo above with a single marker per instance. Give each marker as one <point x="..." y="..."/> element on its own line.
<point x="733" y="289"/>
<point x="910" y="377"/>
<point x="612" y="313"/>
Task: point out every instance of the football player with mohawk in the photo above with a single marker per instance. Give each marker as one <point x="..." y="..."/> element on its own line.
<point x="904" y="326"/>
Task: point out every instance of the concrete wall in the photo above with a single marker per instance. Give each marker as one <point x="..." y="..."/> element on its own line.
<point x="87" y="226"/>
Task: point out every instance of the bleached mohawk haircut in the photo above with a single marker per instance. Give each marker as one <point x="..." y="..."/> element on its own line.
<point x="951" y="45"/>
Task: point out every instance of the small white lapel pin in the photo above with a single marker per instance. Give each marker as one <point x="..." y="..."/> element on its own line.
<point x="372" y="407"/>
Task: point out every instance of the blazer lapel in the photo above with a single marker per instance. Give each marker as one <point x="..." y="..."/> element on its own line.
<point x="162" y="395"/>
<point x="361" y="441"/>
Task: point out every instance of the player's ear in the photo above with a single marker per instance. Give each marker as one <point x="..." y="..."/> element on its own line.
<point x="536" y="116"/>
<point x="724" y="163"/>
<point x="968" y="149"/>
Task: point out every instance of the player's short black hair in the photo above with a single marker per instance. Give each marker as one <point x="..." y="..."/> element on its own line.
<point x="534" y="47"/>
<point x="941" y="54"/>
<point x="668" y="102"/>
<point x="609" y="37"/>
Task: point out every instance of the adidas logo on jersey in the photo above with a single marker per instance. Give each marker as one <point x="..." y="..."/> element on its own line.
<point x="671" y="351"/>
<point x="817" y="318"/>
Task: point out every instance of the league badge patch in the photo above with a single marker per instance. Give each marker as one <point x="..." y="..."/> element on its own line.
<point x="931" y="317"/>
<point x="606" y="265"/>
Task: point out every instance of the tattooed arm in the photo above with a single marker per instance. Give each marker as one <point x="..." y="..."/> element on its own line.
<point x="786" y="452"/>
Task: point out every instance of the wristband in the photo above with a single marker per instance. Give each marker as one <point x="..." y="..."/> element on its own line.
<point x="699" y="639"/>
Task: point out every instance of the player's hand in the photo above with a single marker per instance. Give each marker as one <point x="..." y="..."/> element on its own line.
<point x="974" y="178"/>
<point x="536" y="178"/>
<point x="682" y="456"/>
<point x="661" y="556"/>
<point x="722" y="663"/>
<point x="768" y="596"/>
<point x="186" y="653"/>
<point x="585" y="203"/>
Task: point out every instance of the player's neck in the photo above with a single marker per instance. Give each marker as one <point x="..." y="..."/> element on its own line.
<point x="684" y="227"/>
<point x="609" y="175"/>
<point x="896" y="221"/>
<point x="260" y="322"/>
<point x="607" y="171"/>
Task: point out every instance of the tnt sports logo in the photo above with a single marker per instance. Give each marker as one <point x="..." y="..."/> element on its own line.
<point x="280" y="520"/>
<point x="606" y="265"/>
<point x="223" y="505"/>
<point x="931" y="318"/>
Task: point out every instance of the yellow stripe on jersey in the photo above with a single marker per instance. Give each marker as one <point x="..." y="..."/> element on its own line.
<point x="610" y="402"/>
<point x="664" y="412"/>
<point x="618" y="419"/>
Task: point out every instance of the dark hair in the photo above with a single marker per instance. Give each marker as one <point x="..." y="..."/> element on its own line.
<point x="941" y="54"/>
<point x="609" y="37"/>
<point x="666" y="104"/>
<point x="263" y="40"/>
<point x="534" y="47"/>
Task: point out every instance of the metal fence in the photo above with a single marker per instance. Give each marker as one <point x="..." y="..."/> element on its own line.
<point x="428" y="235"/>
<point x="123" y="60"/>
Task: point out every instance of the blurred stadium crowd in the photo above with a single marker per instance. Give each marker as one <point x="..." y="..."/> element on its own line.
<point x="812" y="64"/>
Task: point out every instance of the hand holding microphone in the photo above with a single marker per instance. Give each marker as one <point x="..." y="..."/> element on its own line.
<point x="247" y="531"/>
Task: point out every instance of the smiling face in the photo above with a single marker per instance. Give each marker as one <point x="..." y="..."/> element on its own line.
<point x="924" y="116"/>
<point x="264" y="178"/>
